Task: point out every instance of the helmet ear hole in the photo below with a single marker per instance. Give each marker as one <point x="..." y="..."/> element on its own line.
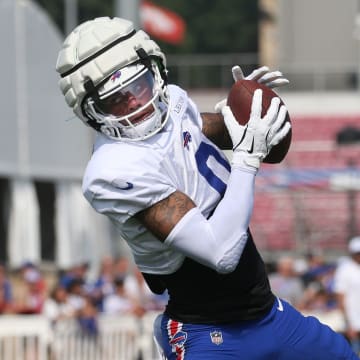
<point x="90" y="121"/>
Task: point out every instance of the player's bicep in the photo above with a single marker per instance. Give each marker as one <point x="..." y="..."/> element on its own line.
<point x="163" y="216"/>
<point x="214" y="129"/>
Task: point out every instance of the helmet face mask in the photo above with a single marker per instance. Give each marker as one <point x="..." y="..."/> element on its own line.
<point x="114" y="78"/>
<point x="131" y="104"/>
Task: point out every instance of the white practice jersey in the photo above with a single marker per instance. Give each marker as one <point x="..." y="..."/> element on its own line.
<point x="123" y="178"/>
<point x="347" y="282"/>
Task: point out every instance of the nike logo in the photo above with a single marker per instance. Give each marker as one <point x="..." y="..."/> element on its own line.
<point x="250" y="151"/>
<point x="242" y="138"/>
<point x="123" y="185"/>
<point x="280" y="306"/>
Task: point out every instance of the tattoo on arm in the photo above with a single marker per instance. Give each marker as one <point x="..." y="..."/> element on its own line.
<point x="215" y="129"/>
<point x="162" y="217"/>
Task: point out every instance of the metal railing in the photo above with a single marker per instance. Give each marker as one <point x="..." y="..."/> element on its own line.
<point x="213" y="71"/>
<point x="31" y="337"/>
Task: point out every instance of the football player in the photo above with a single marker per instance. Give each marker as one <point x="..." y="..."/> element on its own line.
<point x="158" y="172"/>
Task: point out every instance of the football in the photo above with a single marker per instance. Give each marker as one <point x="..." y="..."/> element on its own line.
<point x="239" y="100"/>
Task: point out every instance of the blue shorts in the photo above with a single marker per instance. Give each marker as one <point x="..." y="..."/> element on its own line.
<point x="283" y="334"/>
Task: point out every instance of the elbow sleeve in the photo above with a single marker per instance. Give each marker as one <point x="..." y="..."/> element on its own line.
<point x="195" y="237"/>
<point x="219" y="241"/>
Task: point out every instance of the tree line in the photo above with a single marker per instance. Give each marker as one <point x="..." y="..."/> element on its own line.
<point x="212" y="26"/>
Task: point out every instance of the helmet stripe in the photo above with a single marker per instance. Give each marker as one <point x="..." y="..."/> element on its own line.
<point x="101" y="51"/>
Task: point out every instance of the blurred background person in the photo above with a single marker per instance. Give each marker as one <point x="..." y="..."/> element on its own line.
<point x="319" y="292"/>
<point x="76" y="294"/>
<point x="139" y="289"/>
<point x="347" y="288"/>
<point x="285" y="282"/>
<point x="32" y="297"/>
<point x="6" y="297"/>
<point x="121" y="302"/>
<point x="314" y="260"/>
<point x="57" y="306"/>
<point x="77" y="271"/>
<point x="87" y="317"/>
<point x="104" y="283"/>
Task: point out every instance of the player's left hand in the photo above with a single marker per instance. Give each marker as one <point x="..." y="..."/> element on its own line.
<point x="262" y="75"/>
<point x="253" y="141"/>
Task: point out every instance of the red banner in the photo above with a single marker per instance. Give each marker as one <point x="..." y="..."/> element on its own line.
<point x="162" y="23"/>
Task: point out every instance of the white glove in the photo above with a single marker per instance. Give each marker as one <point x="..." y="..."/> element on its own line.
<point x="252" y="142"/>
<point x="262" y="75"/>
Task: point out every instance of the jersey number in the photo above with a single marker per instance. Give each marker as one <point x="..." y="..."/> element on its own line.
<point x="202" y="155"/>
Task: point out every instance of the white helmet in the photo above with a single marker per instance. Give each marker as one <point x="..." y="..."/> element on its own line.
<point x="114" y="79"/>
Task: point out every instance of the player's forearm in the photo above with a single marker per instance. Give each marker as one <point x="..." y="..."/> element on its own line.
<point x="219" y="241"/>
<point x="214" y="129"/>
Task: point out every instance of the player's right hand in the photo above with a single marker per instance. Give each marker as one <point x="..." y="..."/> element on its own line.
<point x="252" y="142"/>
<point x="262" y="75"/>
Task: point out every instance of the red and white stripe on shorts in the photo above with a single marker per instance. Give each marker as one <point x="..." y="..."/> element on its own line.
<point x="177" y="338"/>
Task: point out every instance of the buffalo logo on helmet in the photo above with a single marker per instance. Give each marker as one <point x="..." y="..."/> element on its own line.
<point x="115" y="76"/>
